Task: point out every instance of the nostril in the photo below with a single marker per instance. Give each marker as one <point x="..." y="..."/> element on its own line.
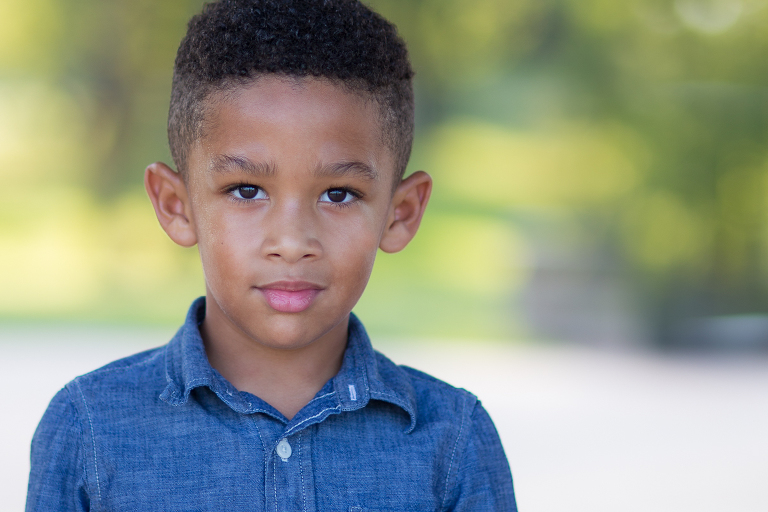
<point x="291" y="248"/>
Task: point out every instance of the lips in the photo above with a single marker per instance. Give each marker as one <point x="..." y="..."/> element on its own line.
<point x="290" y="296"/>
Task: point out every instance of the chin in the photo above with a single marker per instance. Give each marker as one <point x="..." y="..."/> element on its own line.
<point x="290" y="332"/>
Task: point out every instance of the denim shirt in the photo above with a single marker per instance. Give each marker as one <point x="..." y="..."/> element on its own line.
<point x="164" y="431"/>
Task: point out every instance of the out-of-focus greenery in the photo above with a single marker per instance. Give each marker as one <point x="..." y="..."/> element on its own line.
<point x="622" y="141"/>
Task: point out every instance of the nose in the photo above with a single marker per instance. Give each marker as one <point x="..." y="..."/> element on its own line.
<point x="290" y="234"/>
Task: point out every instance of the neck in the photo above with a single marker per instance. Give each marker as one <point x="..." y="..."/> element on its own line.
<point x="287" y="379"/>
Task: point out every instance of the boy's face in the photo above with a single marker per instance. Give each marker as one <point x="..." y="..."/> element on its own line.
<point x="289" y="196"/>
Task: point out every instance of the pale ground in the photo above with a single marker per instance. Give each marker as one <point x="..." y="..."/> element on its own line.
<point x="584" y="430"/>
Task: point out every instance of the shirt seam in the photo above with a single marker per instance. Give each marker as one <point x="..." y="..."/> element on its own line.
<point x="301" y="472"/>
<point x="290" y="430"/>
<point x="321" y="396"/>
<point x="453" y="453"/>
<point x="274" y="476"/>
<point x="93" y="439"/>
<point x="80" y="435"/>
<point x="258" y="432"/>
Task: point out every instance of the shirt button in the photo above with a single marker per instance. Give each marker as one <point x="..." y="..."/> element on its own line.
<point x="284" y="449"/>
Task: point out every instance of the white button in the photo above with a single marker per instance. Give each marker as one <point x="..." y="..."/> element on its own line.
<point x="284" y="449"/>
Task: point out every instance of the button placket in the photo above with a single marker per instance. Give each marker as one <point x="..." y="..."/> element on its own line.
<point x="290" y="479"/>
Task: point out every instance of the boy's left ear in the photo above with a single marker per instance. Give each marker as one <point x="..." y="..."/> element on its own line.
<point x="408" y="204"/>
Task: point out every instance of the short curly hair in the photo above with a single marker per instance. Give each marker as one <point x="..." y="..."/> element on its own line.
<point x="233" y="42"/>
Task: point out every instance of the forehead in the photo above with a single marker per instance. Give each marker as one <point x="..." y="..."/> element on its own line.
<point x="305" y="118"/>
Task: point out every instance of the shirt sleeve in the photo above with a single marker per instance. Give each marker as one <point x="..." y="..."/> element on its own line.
<point x="57" y="475"/>
<point x="484" y="480"/>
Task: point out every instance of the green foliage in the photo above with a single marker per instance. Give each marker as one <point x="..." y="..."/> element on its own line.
<point x="636" y="128"/>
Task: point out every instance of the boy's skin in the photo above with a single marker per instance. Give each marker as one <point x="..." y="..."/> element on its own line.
<point x="284" y="269"/>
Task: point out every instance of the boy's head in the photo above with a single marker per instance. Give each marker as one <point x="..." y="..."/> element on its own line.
<point x="234" y="42"/>
<point x="291" y="124"/>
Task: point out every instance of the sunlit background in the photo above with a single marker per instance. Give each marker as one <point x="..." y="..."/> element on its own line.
<point x="600" y="168"/>
<point x="601" y="175"/>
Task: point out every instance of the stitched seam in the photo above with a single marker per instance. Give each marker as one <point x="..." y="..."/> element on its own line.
<point x="321" y="396"/>
<point x="93" y="440"/>
<point x="80" y="437"/>
<point x="453" y="453"/>
<point x="367" y="380"/>
<point x="197" y="382"/>
<point x="258" y="431"/>
<point x="274" y="476"/>
<point x="301" y="472"/>
<point x="287" y="433"/>
<point x="266" y="470"/>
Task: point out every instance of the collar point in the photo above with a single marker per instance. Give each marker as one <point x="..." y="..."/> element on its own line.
<point x="171" y="396"/>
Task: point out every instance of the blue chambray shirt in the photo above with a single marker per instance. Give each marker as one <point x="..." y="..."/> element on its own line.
<point x="163" y="431"/>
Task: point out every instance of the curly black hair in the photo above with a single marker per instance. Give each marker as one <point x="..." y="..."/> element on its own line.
<point x="233" y="42"/>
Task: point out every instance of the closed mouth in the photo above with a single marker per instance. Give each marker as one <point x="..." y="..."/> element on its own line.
<point x="290" y="286"/>
<point x="290" y="296"/>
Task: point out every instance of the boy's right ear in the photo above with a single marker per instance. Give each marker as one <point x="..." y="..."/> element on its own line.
<point x="169" y="196"/>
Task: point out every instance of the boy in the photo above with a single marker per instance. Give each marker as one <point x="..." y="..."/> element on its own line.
<point x="290" y="125"/>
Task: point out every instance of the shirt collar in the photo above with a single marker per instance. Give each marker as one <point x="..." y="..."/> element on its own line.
<point x="364" y="375"/>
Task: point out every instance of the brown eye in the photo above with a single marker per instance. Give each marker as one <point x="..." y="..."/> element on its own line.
<point x="246" y="192"/>
<point x="337" y="195"/>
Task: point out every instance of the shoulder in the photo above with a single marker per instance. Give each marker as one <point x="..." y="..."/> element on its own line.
<point x="433" y="400"/>
<point x="453" y="423"/>
<point x="423" y="384"/>
<point x="64" y="410"/>
<point x="129" y="378"/>
<point x="140" y="362"/>
<point x="475" y="468"/>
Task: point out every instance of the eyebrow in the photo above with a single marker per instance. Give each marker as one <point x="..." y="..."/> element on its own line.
<point x="231" y="163"/>
<point x="344" y="169"/>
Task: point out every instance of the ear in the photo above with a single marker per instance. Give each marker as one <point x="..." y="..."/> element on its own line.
<point x="169" y="196"/>
<point x="408" y="204"/>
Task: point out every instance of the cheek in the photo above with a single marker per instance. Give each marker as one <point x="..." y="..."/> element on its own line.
<point x="355" y="251"/>
<point x="225" y="247"/>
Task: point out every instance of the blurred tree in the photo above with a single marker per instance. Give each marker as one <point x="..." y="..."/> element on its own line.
<point x="684" y="79"/>
<point x="115" y="60"/>
<point x="637" y="129"/>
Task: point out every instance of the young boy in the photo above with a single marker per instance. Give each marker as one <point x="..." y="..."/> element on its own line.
<point x="290" y="124"/>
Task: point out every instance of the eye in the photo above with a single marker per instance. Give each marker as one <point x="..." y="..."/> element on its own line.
<point x="337" y="195"/>
<point x="248" y="192"/>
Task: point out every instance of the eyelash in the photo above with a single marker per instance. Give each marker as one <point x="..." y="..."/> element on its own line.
<point x="231" y="192"/>
<point x="354" y="193"/>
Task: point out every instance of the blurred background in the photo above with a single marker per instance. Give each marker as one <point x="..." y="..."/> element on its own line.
<point x="600" y="169"/>
<point x="601" y="175"/>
